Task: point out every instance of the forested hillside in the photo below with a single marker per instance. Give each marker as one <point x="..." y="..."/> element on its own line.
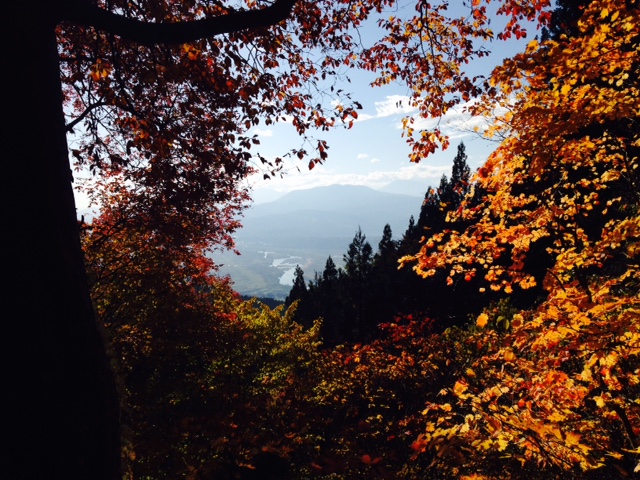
<point x="370" y="288"/>
<point x="498" y="338"/>
<point x="303" y="228"/>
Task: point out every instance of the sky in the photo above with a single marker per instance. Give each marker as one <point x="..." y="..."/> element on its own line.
<point x="373" y="152"/>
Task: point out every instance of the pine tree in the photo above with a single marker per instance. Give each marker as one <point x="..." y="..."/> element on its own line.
<point x="358" y="262"/>
<point x="300" y="294"/>
<point x="460" y="183"/>
<point x="330" y="272"/>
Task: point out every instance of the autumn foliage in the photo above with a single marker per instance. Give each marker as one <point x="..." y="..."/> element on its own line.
<point x="558" y="388"/>
<point x="213" y="387"/>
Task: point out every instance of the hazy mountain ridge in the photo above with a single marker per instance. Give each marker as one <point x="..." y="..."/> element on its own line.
<point x="303" y="228"/>
<point x="335" y="210"/>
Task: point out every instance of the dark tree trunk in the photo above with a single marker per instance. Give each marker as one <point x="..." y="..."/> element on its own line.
<point x="62" y="408"/>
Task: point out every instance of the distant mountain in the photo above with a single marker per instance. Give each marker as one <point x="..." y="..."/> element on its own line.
<point x="303" y="228"/>
<point x="335" y="211"/>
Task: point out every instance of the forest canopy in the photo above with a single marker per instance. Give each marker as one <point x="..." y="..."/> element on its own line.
<point x="541" y="375"/>
<point x="507" y="344"/>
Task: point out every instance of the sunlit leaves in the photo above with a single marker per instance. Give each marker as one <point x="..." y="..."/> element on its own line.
<point x="557" y="184"/>
<point x="555" y="210"/>
<point x="557" y="388"/>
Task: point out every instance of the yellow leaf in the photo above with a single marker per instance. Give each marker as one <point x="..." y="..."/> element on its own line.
<point x="509" y="356"/>
<point x="482" y="320"/>
<point x="556" y="417"/>
<point x="486" y="445"/>
<point x="459" y="388"/>
<point x="502" y="444"/>
<point x="604" y="13"/>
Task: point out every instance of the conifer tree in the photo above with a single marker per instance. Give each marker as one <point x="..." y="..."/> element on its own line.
<point x="459" y="185"/>
<point x="300" y="294"/>
<point x="384" y="284"/>
<point x="299" y="288"/>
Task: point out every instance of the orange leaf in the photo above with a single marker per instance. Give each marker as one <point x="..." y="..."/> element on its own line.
<point x="482" y="320"/>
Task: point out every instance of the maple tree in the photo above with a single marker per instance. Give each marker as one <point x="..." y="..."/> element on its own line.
<point x="558" y="388"/>
<point x="570" y="183"/>
<point x="163" y="116"/>
<point x="62" y="394"/>
<point x="551" y="388"/>
<point x="201" y="374"/>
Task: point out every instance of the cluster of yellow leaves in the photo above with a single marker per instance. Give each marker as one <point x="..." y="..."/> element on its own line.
<point x="560" y="387"/>
<point x="570" y="156"/>
<point x="428" y="52"/>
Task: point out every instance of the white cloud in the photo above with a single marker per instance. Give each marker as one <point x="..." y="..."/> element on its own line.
<point x="364" y="116"/>
<point x="393" y="105"/>
<point x="263" y="133"/>
<point x="320" y="176"/>
<point x="362" y="155"/>
<point x="458" y="123"/>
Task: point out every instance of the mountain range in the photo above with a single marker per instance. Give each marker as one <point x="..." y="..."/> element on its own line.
<point x="305" y="227"/>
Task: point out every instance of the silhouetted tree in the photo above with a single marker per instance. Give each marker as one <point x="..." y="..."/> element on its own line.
<point x="299" y="293"/>
<point x="358" y="262"/>
<point x="329" y="300"/>
<point x="564" y="19"/>
<point x="383" y="282"/>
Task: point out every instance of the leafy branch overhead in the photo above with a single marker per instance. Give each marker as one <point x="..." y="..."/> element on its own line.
<point x="162" y="97"/>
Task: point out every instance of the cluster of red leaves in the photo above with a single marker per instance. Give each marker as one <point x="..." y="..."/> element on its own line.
<point x="172" y="123"/>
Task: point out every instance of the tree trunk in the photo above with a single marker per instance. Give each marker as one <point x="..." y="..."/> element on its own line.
<point x="62" y="407"/>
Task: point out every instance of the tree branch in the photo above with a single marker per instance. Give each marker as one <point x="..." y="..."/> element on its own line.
<point x="148" y="33"/>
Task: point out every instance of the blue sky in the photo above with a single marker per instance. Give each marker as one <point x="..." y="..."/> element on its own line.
<point x="373" y="153"/>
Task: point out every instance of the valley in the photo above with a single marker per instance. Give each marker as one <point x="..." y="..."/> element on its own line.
<point x="304" y="228"/>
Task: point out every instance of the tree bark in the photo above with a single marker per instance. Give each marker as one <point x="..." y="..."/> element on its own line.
<point x="62" y="404"/>
<point x="62" y="412"/>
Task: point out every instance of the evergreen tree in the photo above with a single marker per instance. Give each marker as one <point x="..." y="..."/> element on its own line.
<point x="386" y="247"/>
<point x="330" y="272"/>
<point x="430" y="213"/>
<point x="416" y="294"/>
<point x="329" y="302"/>
<point x="460" y="183"/>
<point x="299" y="293"/>
<point x="358" y="262"/>
<point x="383" y="283"/>
<point x="564" y="19"/>
<point x="371" y="289"/>
<point x="299" y="288"/>
<point x="410" y="238"/>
